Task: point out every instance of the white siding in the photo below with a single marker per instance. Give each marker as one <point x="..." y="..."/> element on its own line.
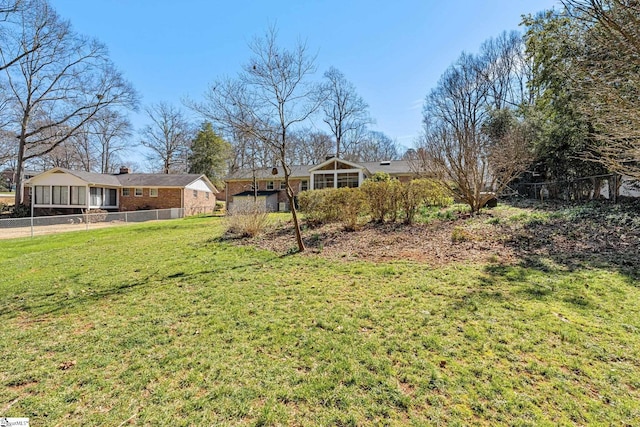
<point x="199" y="185"/>
<point x="57" y="179"/>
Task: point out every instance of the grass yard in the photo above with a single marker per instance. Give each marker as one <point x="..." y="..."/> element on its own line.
<point x="166" y="324"/>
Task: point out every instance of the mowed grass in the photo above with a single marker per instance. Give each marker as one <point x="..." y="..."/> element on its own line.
<point x="164" y="324"/>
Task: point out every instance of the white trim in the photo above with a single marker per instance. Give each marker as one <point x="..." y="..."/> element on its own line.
<point x="335" y="159"/>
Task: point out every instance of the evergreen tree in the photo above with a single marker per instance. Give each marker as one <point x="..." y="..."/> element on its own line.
<point x="209" y="154"/>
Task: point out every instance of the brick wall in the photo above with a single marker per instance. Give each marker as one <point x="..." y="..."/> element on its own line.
<point x="167" y="198"/>
<point x="197" y="202"/>
<point x="236" y="187"/>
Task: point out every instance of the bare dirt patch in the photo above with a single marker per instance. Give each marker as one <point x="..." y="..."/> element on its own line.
<point x="594" y="233"/>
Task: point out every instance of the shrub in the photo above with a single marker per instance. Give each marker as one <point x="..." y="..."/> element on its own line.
<point x="21" y="211"/>
<point x="414" y="194"/>
<point x="459" y="234"/>
<point x="351" y="203"/>
<point x="317" y="206"/>
<point x="381" y="192"/>
<point x="247" y="218"/>
<point x="344" y="205"/>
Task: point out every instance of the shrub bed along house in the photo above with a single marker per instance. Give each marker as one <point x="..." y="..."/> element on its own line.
<point x="380" y="198"/>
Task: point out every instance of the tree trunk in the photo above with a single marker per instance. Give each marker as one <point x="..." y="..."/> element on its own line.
<point x="292" y="204"/>
<point x="19" y="171"/>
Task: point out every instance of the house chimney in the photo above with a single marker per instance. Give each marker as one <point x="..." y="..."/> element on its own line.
<point x="124" y="170"/>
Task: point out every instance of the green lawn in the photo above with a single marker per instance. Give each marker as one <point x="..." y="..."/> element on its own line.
<point x="163" y="324"/>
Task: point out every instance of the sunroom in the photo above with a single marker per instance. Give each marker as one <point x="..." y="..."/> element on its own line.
<point x="336" y="173"/>
<point x="61" y="190"/>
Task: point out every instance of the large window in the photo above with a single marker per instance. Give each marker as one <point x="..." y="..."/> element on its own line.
<point x="96" y="196"/>
<point x="43" y="194"/>
<point x="78" y="196"/>
<point x="323" y="180"/>
<point x="103" y="196"/>
<point x="60" y="195"/>
<point x="348" y="180"/>
<point x="110" y="197"/>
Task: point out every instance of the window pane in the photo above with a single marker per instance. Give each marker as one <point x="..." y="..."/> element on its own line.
<point x="96" y="196"/>
<point x="74" y="196"/>
<point x="60" y="195"/>
<point x="323" y="180"/>
<point x="112" y="199"/>
<point x="348" y="180"/>
<point x="43" y="194"/>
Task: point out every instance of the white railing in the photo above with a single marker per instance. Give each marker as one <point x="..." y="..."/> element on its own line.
<point x="38" y="225"/>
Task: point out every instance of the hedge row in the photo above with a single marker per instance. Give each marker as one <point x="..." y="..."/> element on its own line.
<point x="380" y="198"/>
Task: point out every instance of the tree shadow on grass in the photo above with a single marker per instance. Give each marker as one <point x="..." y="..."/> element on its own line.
<point x="581" y="236"/>
<point x="58" y="301"/>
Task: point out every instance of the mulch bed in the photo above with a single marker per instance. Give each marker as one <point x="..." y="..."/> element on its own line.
<point x="601" y="234"/>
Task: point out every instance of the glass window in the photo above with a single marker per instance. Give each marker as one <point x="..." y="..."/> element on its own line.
<point x="283" y="185"/>
<point x="126" y="192"/>
<point x="153" y="192"/>
<point x="304" y="185"/>
<point x="207" y="195"/>
<point x="95" y="194"/>
<point x="60" y="195"/>
<point x="78" y="196"/>
<point x="348" y="180"/>
<point x="110" y="197"/>
<point x="43" y="194"/>
<point x="323" y="180"/>
<point x="195" y="193"/>
<point x="270" y="185"/>
<point x="138" y="192"/>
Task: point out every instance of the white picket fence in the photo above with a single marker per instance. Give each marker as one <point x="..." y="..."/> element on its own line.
<point x="33" y="226"/>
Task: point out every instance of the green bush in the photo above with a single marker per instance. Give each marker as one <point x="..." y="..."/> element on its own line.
<point x="382" y="196"/>
<point x="345" y="205"/>
<point x="21" y="211"/>
<point x="317" y="207"/>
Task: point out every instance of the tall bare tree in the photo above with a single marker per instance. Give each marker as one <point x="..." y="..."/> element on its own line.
<point x="455" y="148"/>
<point x="271" y="97"/>
<point x="375" y="146"/>
<point x="606" y="71"/>
<point x="346" y="113"/>
<point x="110" y="133"/>
<point x="310" y="146"/>
<point x="168" y="138"/>
<point x="60" y="82"/>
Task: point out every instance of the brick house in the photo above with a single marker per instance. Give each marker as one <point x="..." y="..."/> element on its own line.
<point x="332" y="173"/>
<point x="63" y="191"/>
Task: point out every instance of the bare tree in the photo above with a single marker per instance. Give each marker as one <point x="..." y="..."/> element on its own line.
<point x="454" y="147"/>
<point x="607" y="74"/>
<point x="110" y="131"/>
<point x="374" y="146"/>
<point x="346" y="113"/>
<point x="270" y="98"/>
<point x="507" y="70"/>
<point x="61" y="81"/>
<point x="168" y="138"/>
<point x="310" y="146"/>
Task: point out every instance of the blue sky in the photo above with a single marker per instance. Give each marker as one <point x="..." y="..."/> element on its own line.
<point x="393" y="51"/>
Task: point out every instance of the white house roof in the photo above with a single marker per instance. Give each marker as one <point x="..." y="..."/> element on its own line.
<point x="130" y="179"/>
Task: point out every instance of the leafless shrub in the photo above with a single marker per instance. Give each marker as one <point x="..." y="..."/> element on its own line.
<point x="247" y="218"/>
